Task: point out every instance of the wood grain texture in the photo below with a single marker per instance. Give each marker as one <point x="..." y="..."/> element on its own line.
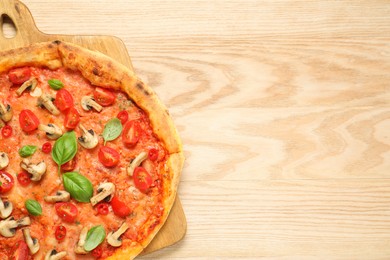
<point x="284" y="111"/>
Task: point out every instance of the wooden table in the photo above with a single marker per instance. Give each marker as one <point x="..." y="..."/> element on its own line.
<point x="284" y="110"/>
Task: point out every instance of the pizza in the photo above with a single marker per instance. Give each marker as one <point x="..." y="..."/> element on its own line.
<point x="90" y="159"/>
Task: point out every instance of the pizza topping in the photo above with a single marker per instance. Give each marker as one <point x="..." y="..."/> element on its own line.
<point x="104" y="96"/>
<point x="88" y="103"/>
<point x="142" y="179"/>
<point x="6" y="131"/>
<point x="66" y="211"/>
<point x="46" y="147"/>
<point x="33" y="207"/>
<point x="88" y="139"/>
<point x="20" y="251"/>
<point x="108" y="156"/>
<point x="79" y="187"/>
<point x="27" y="150"/>
<point x="70" y="165"/>
<point x="105" y="192"/>
<point x="9" y="225"/>
<point x="52" y="131"/>
<point x="113" y="238"/>
<point x="120" y="208"/>
<point x="6" y="208"/>
<point x="36" y="170"/>
<point x="37" y="92"/>
<point x="136" y="162"/>
<point x="72" y="118"/>
<point x="55" y="84"/>
<point x="60" y="233"/>
<point x="131" y="133"/>
<point x="95" y="237"/>
<point x="54" y="255"/>
<point x="4" y="161"/>
<point x="60" y="154"/>
<point x="32" y="243"/>
<point x="102" y="208"/>
<point x="123" y="116"/>
<point x="19" y="75"/>
<point x="6" y="182"/>
<point x="80" y="244"/>
<point x="46" y="100"/>
<point x="153" y="154"/>
<point x="24" y="178"/>
<point x="29" y="84"/>
<point x="28" y="120"/>
<point x="64" y="100"/>
<point x="6" y="112"/>
<point x="60" y="196"/>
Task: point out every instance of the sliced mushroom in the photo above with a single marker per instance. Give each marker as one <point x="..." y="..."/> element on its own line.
<point x="4" y="161"/>
<point x="60" y="196"/>
<point x="31" y="242"/>
<point x="6" y="208"/>
<point x="54" y="255"/>
<point x="1" y="123"/>
<point x="113" y="238"/>
<point x="105" y="191"/>
<point x="36" y="170"/>
<point x="79" y="249"/>
<point x="88" y="139"/>
<point x="136" y="162"/>
<point x="8" y="226"/>
<point x="6" y="112"/>
<point x="46" y="100"/>
<point x="52" y="131"/>
<point x="88" y="103"/>
<point x="31" y="84"/>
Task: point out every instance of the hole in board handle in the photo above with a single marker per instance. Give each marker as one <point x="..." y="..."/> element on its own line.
<point x="8" y="27"/>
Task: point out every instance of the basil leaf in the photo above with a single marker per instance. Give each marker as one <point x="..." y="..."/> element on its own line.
<point x="55" y="84"/>
<point x="27" y="150"/>
<point x="95" y="237"/>
<point x="79" y="187"/>
<point x="112" y="130"/>
<point x="65" y="148"/>
<point x="33" y="207"/>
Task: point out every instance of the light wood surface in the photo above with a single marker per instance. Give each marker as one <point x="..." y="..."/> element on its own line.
<point x="284" y="111"/>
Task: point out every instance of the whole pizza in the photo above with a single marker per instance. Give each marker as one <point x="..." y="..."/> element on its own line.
<point x="90" y="159"/>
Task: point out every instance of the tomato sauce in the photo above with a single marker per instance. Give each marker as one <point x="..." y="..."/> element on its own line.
<point x="143" y="205"/>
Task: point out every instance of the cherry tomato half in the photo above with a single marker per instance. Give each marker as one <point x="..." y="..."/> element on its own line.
<point x="102" y="208"/>
<point x="104" y="96"/>
<point x="46" y="147"/>
<point x="6" y="131"/>
<point x="97" y="252"/>
<point x="6" y="182"/>
<point x="64" y="100"/>
<point x="20" y="251"/>
<point x="142" y="179"/>
<point x="67" y="211"/>
<point x="72" y="118"/>
<point x="108" y="156"/>
<point x="60" y="233"/>
<point x="131" y="133"/>
<point x="70" y="165"/>
<point x="23" y="178"/>
<point x="123" y="116"/>
<point x="28" y="120"/>
<point x="153" y="154"/>
<point x="19" y="75"/>
<point x="119" y="207"/>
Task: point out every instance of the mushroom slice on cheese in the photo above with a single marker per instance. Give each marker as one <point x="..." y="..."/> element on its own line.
<point x="88" y="139"/>
<point x="52" y="131"/>
<point x="105" y="192"/>
<point x="46" y="100"/>
<point x="88" y="103"/>
<point x="79" y="249"/>
<point x="113" y="238"/>
<point x="6" y="112"/>
<point x="36" y="170"/>
<point x="60" y="196"/>
<point x="6" y="208"/>
<point x="8" y="226"/>
<point x="31" y="84"/>
<point x="54" y="255"/>
<point x="31" y="242"/>
<point x="136" y="162"/>
<point x="4" y="161"/>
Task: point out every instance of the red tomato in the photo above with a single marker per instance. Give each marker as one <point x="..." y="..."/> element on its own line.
<point x="67" y="211"/>
<point x="153" y="154"/>
<point x="72" y="118"/>
<point x="23" y="178"/>
<point x="6" y="182"/>
<point x="108" y="156"/>
<point x="131" y="133"/>
<point x="6" y="131"/>
<point x="142" y="179"/>
<point x="64" y="100"/>
<point x="119" y="207"/>
<point x="46" y="147"/>
<point x="20" y="251"/>
<point x="28" y="120"/>
<point x="19" y="75"/>
<point x="60" y="233"/>
<point x="123" y="116"/>
<point x="104" y="96"/>
<point x="70" y="165"/>
<point x="102" y="208"/>
<point x="97" y="252"/>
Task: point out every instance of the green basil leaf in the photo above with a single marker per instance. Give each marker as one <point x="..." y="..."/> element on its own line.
<point x="65" y="148"/>
<point x="27" y="150"/>
<point x="79" y="187"/>
<point x="33" y="207"/>
<point x="55" y="84"/>
<point x="95" y="237"/>
<point x="112" y="129"/>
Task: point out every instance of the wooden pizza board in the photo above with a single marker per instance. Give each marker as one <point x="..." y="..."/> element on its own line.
<point x="27" y="33"/>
